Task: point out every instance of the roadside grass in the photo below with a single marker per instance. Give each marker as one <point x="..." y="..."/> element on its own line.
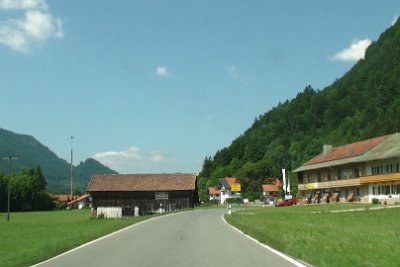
<point x="32" y="237"/>
<point x="319" y="237"/>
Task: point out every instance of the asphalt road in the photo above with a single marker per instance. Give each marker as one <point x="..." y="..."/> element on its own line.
<point x="190" y="239"/>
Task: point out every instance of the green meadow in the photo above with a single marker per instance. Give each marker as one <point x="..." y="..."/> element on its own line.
<point x="321" y="237"/>
<point x="32" y="237"/>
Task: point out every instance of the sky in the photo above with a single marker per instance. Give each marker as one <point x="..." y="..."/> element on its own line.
<point x="156" y="86"/>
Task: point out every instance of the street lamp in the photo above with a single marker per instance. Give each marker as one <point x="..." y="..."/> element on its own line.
<point x="10" y="159"/>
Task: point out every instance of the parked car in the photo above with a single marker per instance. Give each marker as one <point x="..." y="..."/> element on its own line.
<point x="285" y="202"/>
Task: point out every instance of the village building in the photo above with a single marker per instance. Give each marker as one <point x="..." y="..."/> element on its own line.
<point x="271" y="191"/>
<point x="214" y="194"/>
<point x="128" y="194"/>
<point x="229" y="187"/>
<point x="84" y="201"/>
<point x="358" y="171"/>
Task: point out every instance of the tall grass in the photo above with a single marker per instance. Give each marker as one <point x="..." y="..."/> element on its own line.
<point x="316" y="235"/>
<point x="32" y="237"/>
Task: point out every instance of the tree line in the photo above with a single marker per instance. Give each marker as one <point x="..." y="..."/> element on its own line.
<point x="27" y="191"/>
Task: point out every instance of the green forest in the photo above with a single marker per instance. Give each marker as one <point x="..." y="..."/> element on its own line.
<point x="364" y="103"/>
<point x="27" y="191"/>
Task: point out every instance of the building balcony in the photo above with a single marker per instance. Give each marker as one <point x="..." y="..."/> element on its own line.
<point x="380" y="178"/>
<point x="330" y="184"/>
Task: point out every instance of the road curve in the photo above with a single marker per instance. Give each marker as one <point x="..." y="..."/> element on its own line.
<point x="199" y="238"/>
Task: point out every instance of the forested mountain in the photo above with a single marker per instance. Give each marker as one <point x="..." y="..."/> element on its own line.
<point x="364" y="103"/>
<point x="32" y="153"/>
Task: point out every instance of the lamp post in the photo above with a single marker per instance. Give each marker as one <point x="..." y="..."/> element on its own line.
<point x="10" y="159"/>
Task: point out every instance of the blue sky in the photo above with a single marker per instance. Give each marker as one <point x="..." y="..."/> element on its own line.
<point x="156" y="86"/>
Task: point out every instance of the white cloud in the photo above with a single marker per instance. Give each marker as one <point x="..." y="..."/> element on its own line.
<point x="233" y="72"/>
<point x="355" y="52"/>
<point x="36" y="26"/>
<point x="23" y="4"/>
<point x="162" y="71"/>
<point x="157" y="156"/>
<point x="132" y="160"/>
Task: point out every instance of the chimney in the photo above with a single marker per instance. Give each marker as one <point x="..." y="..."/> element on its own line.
<point x="326" y="149"/>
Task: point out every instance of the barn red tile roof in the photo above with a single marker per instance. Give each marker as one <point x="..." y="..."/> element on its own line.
<point x="349" y="150"/>
<point x="272" y="187"/>
<point x="213" y="191"/>
<point x="142" y="182"/>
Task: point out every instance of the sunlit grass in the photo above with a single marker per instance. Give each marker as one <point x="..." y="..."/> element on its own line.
<point x="32" y="237"/>
<point x="322" y="238"/>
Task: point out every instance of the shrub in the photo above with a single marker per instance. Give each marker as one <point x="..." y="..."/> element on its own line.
<point x="232" y="200"/>
<point x="375" y="201"/>
<point x="60" y="205"/>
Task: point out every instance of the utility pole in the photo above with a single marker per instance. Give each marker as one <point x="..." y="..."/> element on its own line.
<point x="72" y="173"/>
<point x="10" y="159"/>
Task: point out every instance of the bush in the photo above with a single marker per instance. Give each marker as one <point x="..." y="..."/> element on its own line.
<point x="375" y="201"/>
<point x="60" y="205"/>
<point x="232" y="200"/>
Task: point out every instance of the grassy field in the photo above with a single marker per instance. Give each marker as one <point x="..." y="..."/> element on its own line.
<point x="32" y="237"/>
<point x="320" y="237"/>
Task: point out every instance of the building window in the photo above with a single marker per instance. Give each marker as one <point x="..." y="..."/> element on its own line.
<point x="328" y="176"/>
<point x="356" y="173"/>
<point x="346" y="174"/>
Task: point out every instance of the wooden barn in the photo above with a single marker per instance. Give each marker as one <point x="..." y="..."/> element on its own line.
<point x="147" y="192"/>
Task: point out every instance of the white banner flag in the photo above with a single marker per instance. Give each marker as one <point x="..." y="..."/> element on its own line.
<point x="284" y="180"/>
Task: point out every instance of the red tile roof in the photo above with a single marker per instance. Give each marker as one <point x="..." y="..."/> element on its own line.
<point x="231" y="181"/>
<point x="349" y="150"/>
<point x="213" y="191"/>
<point x="142" y="182"/>
<point x="62" y="197"/>
<point x="79" y="199"/>
<point x="272" y="187"/>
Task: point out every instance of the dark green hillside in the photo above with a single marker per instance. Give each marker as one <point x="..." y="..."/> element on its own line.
<point x="364" y="103"/>
<point x="32" y="153"/>
<point x="86" y="169"/>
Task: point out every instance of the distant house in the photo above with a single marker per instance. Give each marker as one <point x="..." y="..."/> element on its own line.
<point x="146" y="193"/>
<point x="229" y="188"/>
<point x="271" y="191"/>
<point x="84" y="201"/>
<point x="214" y="193"/>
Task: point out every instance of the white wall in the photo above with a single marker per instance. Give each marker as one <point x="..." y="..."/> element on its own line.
<point x="109" y="212"/>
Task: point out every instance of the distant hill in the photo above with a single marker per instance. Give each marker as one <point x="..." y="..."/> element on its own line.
<point x="364" y="103"/>
<point x="32" y="153"/>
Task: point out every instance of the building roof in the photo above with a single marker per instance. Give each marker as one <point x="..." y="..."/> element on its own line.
<point x="272" y="187"/>
<point x="227" y="182"/>
<point x="349" y="150"/>
<point x="370" y="149"/>
<point x="83" y="197"/>
<point x="62" y="197"/>
<point x="142" y="182"/>
<point x="213" y="191"/>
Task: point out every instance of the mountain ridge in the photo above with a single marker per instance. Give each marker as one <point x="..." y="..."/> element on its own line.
<point x="32" y="153"/>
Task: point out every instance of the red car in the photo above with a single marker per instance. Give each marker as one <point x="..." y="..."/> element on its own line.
<point x="286" y="202"/>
